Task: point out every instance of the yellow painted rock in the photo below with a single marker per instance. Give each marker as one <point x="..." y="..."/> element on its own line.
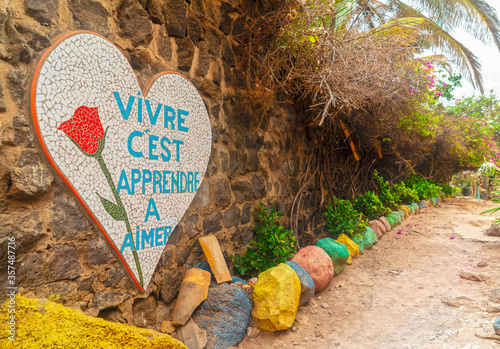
<point x="276" y="298"/>
<point x="352" y="247"/>
<point x="40" y="324"/>
<point x="194" y="290"/>
<point x="406" y="210"/>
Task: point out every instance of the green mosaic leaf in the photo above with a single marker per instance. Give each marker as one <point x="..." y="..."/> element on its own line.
<point x="114" y="210"/>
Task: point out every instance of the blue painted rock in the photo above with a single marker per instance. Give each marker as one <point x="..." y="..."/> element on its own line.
<point x="358" y="239"/>
<point x="339" y="254"/>
<point x="224" y="315"/>
<point x="317" y="263"/>
<point x="496" y="326"/>
<point x="422" y="205"/>
<point x="307" y="287"/>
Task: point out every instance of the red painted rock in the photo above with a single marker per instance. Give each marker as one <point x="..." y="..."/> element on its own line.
<point x="377" y="227"/>
<point x="386" y="223"/>
<point x="317" y="263"/>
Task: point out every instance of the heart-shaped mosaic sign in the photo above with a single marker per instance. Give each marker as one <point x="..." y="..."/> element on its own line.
<point x="134" y="160"/>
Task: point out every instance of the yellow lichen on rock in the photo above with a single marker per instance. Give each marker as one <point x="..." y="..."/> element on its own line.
<point x="352" y="247"/>
<point x="276" y="298"/>
<point x="41" y="324"/>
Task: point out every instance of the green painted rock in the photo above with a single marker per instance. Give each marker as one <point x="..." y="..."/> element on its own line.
<point x="373" y="235"/>
<point x="392" y="220"/>
<point x="415" y="207"/>
<point x="398" y="217"/>
<point x="411" y="208"/>
<point x="358" y="239"/>
<point x="401" y="214"/>
<point x="367" y="239"/>
<point x="337" y="252"/>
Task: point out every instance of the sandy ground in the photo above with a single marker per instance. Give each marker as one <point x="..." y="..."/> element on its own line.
<point x="407" y="292"/>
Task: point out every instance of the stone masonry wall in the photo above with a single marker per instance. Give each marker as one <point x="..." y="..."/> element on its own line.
<point x="257" y="154"/>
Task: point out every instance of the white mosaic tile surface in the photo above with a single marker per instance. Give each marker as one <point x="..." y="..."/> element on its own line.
<point x="85" y="70"/>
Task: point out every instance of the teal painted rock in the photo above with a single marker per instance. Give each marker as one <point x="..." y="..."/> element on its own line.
<point x="402" y="214"/>
<point x="367" y="239"/>
<point x="412" y="210"/>
<point x="415" y="207"/>
<point x="496" y="326"/>
<point x="358" y="239"/>
<point x="422" y="205"/>
<point x="337" y="252"/>
<point x="307" y="286"/>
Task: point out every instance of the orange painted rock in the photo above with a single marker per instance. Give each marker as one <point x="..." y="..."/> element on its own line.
<point x="194" y="290"/>
<point x="317" y="263"/>
<point x="377" y="227"/>
<point x="386" y="223"/>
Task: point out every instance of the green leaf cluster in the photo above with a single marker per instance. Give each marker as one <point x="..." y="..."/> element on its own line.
<point x="343" y="219"/>
<point x="386" y="195"/>
<point x="423" y="187"/>
<point x="403" y="194"/>
<point x="370" y="206"/>
<point x="273" y="244"/>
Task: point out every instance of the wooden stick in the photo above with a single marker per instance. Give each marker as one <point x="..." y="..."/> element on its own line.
<point x="351" y="143"/>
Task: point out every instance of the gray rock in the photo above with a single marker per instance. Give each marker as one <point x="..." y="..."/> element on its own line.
<point x="222" y="194"/>
<point x="203" y="59"/>
<point x="245" y="213"/>
<point x="191" y="226"/>
<point x="115" y="276"/>
<point x="243" y="236"/>
<point x="494" y="230"/>
<point x="66" y="219"/>
<point x="106" y="300"/>
<point x="99" y="252"/>
<point x="63" y="263"/>
<point x="182" y="256"/>
<point x="238" y="26"/>
<point x="252" y="163"/>
<point x="176" y="236"/>
<point x="212" y="222"/>
<point x="135" y="23"/>
<point x="166" y="258"/>
<point x="213" y="40"/>
<point x="193" y="27"/>
<point x="171" y="284"/>
<point x="16" y="81"/>
<point x="164" y="45"/>
<point x="30" y="271"/>
<point x="202" y="197"/>
<point x="154" y="8"/>
<point x="144" y="311"/>
<point x="31" y="177"/>
<point x="227" y="53"/>
<point x="259" y="186"/>
<point x="232" y="217"/>
<point x="175" y="17"/>
<point x="185" y="52"/>
<point x="42" y="11"/>
<point x="242" y="190"/>
<point x="3" y="107"/>
<point x="494" y="295"/>
<point x="226" y="21"/>
<point x="234" y="163"/>
<point x="85" y="283"/>
<point x="90" y="15"/>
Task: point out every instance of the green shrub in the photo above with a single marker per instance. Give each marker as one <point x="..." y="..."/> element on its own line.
<point x="273" y="245"/>
<point x="343" y="219"/>
<point x="385" y="193"/>
<point x="404" y="195"/>
<point x="447" y="190"/>
<point x="424" y="188"/>
<point x="370" y="206"/>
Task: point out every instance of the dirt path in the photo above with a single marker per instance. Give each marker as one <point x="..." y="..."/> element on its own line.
<point x="407" y="292"/>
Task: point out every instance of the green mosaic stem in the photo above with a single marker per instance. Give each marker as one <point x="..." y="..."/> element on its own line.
<point x="104" y="169"/>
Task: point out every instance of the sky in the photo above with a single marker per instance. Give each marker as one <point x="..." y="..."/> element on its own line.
<point x="489" y="57"/>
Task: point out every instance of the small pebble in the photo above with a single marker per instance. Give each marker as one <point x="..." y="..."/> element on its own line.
<point x="306" y="339"/>
<point x="295" y="343"/>
<point x="325" y="305"/>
